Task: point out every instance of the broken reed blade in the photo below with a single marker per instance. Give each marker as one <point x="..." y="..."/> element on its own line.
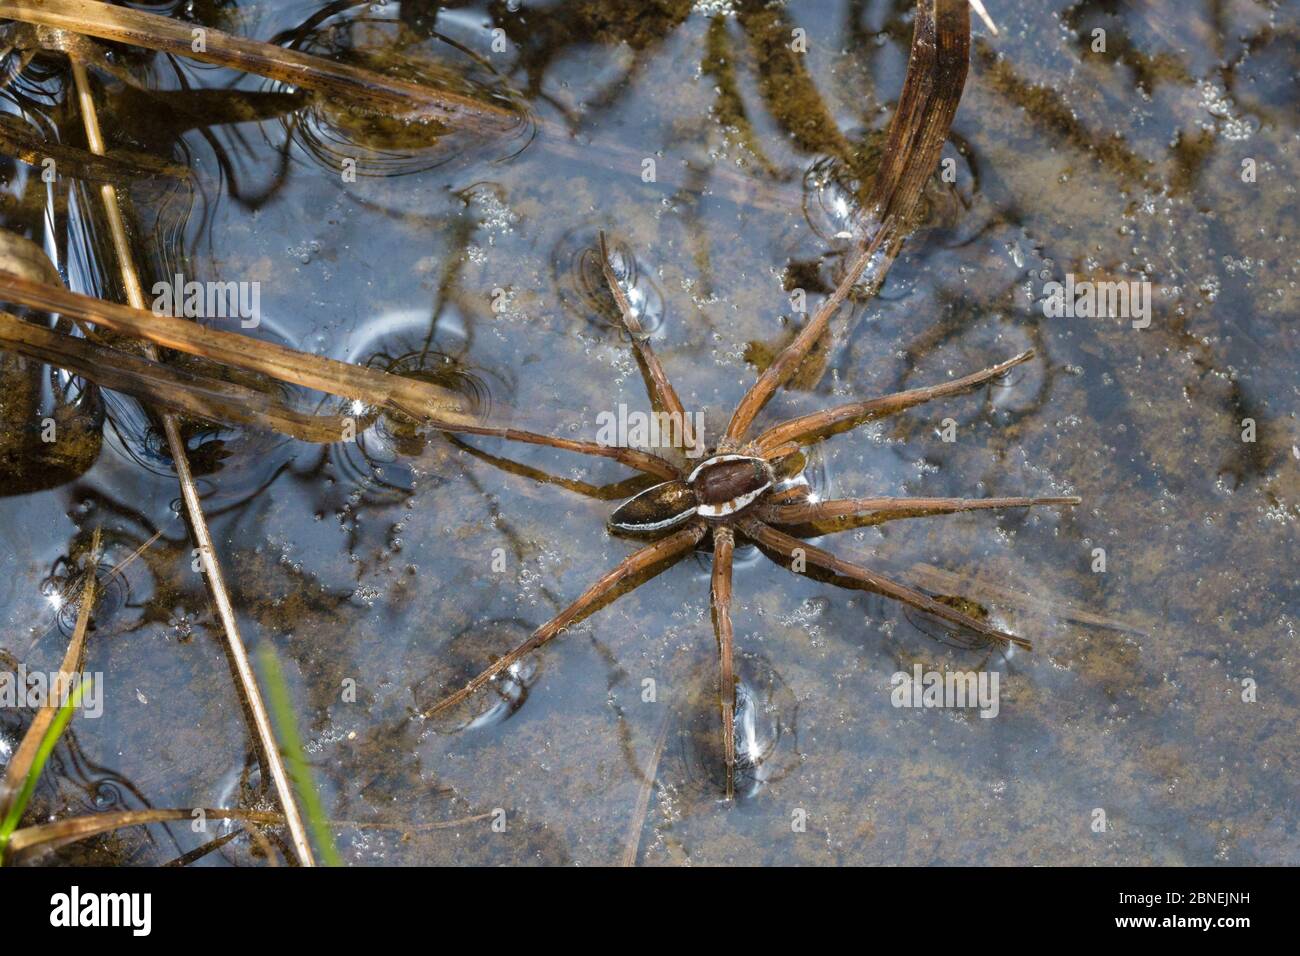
<point x="58" y="833"/>
<point x="350" y="84"/>
<point x="424" y="401"/>
<point x="174" y="388"/>
<point x="21" y="141"/>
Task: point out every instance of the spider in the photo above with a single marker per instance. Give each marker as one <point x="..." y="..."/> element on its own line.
<point x="753" y="487"/>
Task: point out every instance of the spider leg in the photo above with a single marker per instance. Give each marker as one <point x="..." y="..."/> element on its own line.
<point x="845" y="513"/>
<point x="616" y="491"/>
<point x="660" y="389"/>
<point x="808" y="428"/>
<point x="936" y="73"/>
<point x="632" y="457"/>
<point x="724" y="541"/>
<point x="785" y="364"/>
<point x="665" y="549"/>
<point x="871" y="581"/>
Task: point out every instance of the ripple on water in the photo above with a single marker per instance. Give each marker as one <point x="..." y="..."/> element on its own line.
<point x="123" y="586"/>
<point x="834" y="206"/>
<point x="359" y="144"/>
<point x="230" y="462"/>
<point x="831" y="203"/>
<point x="462" y="659"/>
<point x="766" y="733"/>
<point x="580" y="281"/>
<point x="381" y="462"/>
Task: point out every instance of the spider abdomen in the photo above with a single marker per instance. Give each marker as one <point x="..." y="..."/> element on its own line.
<point x="655" y="509"/>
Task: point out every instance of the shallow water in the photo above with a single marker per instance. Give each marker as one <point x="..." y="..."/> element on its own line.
<point x="403" y="562"/>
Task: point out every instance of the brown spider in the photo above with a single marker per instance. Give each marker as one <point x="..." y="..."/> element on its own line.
<point x="754" y="486"/>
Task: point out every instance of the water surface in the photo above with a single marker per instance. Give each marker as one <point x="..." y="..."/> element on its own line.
<point x="405" y="561"/>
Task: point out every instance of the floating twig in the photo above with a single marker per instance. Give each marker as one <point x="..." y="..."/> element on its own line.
<point x="166" y="385"/>
<point x="51" y="836"/>
<point x="347" y="83"/>
<point x="19" y="140"/>
<point x="420" y="400"/>
<point x="190" y="495"/>
<point x="440" y="407"/>
<point x="46" y="837"/>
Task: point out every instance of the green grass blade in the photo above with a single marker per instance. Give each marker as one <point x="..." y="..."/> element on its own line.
<point x="52" y="735"/>
<point x="291" y="746"/>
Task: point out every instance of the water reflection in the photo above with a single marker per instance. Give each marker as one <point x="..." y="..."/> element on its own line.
<point x="383" y="459"/>
<point x="358" y="144"/>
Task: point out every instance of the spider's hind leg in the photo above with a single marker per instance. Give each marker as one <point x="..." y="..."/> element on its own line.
<point x="866" y="579"/>
<point x="724" y="541"/>
<point x="661" y="553"/>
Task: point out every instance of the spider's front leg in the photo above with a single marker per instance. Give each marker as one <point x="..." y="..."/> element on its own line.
<point x="663" y="553"/>
<point x="818" y="425"/>
<point x="785" y="365"/>
<point x="614" y="491"/>
<point x="658" y="386"/>
<point x="768" y="537"/>
<point x="632" y="457"/>
<point x="936" y="73"/>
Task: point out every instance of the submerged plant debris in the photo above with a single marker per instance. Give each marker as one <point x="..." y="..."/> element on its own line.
<point x="729" y="152"/>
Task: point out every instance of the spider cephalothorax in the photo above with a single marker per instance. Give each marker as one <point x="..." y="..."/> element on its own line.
<point x="753" y="487"/>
